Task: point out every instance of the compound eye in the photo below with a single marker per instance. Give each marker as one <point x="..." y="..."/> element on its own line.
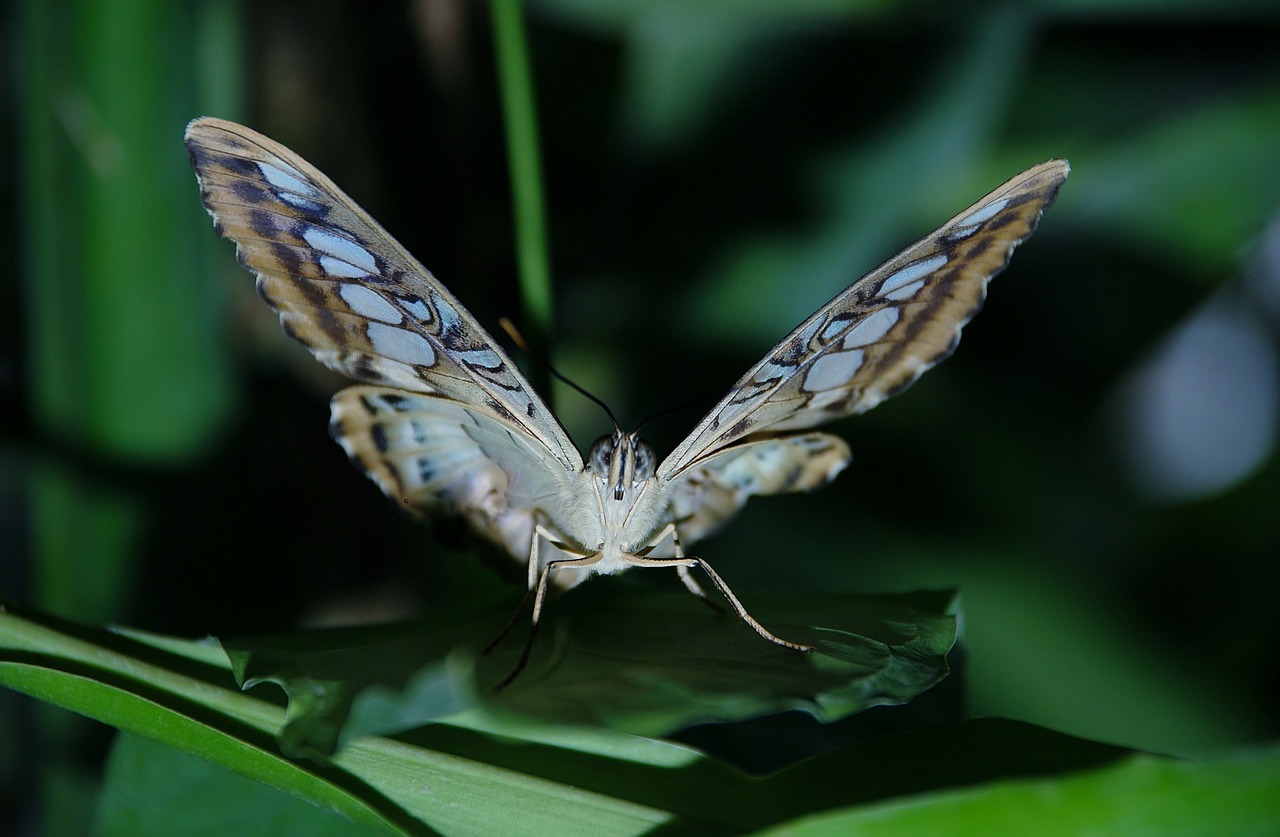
<point x="601" y="455"/>
<point x="645" y="462"/>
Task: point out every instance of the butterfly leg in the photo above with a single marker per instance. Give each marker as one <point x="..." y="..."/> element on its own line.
<point x="742" y="611"/>
<point x="538" y="599"/>
<point x="539" y="532"/>
<point x="684" y="563"/>
<point x="538" y="579"/>
<point x="691" y="584"/>
<point x="533" y="560"/>
<point x="511" y="623"/>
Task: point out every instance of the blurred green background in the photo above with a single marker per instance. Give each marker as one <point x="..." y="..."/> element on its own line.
<point x="1095" y="468"/>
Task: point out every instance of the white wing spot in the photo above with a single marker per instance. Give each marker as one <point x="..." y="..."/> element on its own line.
<point x="288" y="179"/>
<point x="366" y="303"/>
<point x="486" y="358"/>
<point x="448" y="315"/>
<point x="968" y="224"/>
<point x="909" y="274"/>
<point x="401" y="345"/>
<point x="345" y="249"/>
<point x="871" y="329"/>
<point x="833" y="370"/>
<point x="833" y="328"/>
<point x="299" y="202"/>
<point x="906" y="291"/>
<point x="340" y="269"/>
<point x="522" y="399"/>
<point x="822" y="400"/>
<point x="769" y="373"/>
<point x="418" y="308"/>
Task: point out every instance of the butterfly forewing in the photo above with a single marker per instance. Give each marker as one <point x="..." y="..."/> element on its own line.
<point x="884" y="330"/>
<point x="350" y="292"/>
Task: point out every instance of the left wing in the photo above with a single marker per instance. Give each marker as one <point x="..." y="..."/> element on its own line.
<point x="883" y="331"/>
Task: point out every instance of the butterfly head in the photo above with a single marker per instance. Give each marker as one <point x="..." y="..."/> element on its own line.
<point x="621" y="460"/>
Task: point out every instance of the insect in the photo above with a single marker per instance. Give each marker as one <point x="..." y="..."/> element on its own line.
<point x="444" y="422"/>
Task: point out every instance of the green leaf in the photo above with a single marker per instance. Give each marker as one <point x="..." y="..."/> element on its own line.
<point x="1125" y="188"/>
<point x="180" y="700"/>
<point x="447" y="778"/>
<point x="636" y="661"/>
<point x="1139" y="795"/>
<point x="151" y="789"/>
<point x="114" y="236"/>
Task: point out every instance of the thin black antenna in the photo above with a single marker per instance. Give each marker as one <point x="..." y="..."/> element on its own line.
<point x="517" y="338"/>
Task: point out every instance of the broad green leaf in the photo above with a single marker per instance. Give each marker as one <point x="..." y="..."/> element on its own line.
<point x="1042" y="643"/>
<point x="451" y="779"/>
<point x="1166" y="190"/>
<point x="115" y="235"/>
<point x="642" y="662"/>
<point x="378" y="783"/>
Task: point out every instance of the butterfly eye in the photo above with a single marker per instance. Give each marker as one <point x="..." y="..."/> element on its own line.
<point x="601" y="455"/>
<point x="645" y="460"/>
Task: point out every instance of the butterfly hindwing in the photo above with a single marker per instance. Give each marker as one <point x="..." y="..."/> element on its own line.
<point x="431" y="455"/>
<point x="348" y="291"/>
<point x="878" y="335"/>
<point x="416" y="448"/>
<point x="709" y="494"/>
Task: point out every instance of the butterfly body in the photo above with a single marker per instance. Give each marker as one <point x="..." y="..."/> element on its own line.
<point x="617" y="509"/>
<point x="444" y="422"/>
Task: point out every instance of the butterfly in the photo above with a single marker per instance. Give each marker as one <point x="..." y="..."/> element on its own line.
<point x="444" y="422"/>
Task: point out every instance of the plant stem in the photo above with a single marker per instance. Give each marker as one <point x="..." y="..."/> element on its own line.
<point x="515" y="81"/>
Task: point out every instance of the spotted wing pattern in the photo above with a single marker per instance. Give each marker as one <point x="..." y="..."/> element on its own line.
<point x="350" y="293"/>
<point x="878" y="335"/>
<point x="438" y="456"/>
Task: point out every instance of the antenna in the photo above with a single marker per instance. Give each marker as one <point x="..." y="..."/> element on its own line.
<point x="517" y="338"/>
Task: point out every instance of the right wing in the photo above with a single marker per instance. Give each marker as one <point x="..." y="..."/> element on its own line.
<point x="879" y="334"/>
<point x="349" y="292"/>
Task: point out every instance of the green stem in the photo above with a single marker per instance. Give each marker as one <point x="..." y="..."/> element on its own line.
<point x="516" y="83"/>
